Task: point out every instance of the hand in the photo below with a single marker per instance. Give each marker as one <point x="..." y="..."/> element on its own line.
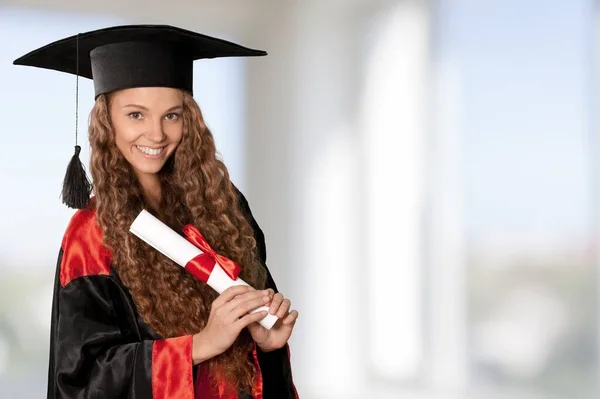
<point x="228" y="316"/>
<point x="278" y="335"/>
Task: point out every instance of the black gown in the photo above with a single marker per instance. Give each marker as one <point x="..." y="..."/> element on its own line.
<point x="101" y="348"/>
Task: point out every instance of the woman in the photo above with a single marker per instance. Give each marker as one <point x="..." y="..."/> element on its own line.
<point x="127" y="322"/>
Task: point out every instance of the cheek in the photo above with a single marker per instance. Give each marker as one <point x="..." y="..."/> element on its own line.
<point x="174" y="133"/>
<point x="125" y="134"/>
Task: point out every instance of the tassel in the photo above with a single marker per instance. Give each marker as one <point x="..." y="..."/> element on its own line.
<point x="76" y="185"/>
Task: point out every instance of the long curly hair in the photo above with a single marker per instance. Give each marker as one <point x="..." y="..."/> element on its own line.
<point x="195" y="188"/>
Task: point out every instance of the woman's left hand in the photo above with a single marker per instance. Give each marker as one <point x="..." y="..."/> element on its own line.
<point x="278" y="335"/>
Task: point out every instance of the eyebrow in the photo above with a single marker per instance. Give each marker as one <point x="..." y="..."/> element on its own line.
<point x="146" y="109"/>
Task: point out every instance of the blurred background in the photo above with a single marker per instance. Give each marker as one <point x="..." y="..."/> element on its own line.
<point x="426" y="174"/>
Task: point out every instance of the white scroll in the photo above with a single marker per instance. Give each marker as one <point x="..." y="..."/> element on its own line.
<point x="162" y="238"/>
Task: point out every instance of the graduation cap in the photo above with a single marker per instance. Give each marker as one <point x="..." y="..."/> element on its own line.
<point x="124" y="57"/>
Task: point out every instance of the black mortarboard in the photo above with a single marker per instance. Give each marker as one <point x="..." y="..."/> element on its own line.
<point x="123" y="57"/>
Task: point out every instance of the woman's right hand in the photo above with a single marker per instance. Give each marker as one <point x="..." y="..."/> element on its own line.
<point x="229" y="314"/>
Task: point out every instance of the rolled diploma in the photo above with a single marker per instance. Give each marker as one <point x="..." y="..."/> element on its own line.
<point x="162" y="238"/>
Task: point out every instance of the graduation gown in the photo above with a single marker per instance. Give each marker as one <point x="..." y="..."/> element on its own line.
<point x="101" y="348"/>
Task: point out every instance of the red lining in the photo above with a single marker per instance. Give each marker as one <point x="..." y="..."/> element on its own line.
<point x="172" y="368"/>
<point x="258" y="383"/>
<point x="84" y="253"/>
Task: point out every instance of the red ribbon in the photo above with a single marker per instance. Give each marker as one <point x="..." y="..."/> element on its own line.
<point x="202" y="265"/>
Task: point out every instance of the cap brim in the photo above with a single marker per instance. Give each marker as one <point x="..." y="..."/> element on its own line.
<point x="63" y="55"/>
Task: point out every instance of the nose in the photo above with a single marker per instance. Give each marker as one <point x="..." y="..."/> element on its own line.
<point x="155" y="131"/>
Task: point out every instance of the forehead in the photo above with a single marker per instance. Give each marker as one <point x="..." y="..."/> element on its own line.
<point x="148" y="97"/>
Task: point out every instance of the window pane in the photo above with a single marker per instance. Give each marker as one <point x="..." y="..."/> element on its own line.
<point x="531" y="280"/>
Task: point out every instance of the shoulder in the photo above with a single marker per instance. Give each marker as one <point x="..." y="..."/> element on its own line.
<point x="241" y="199"/>
<point x="244" y="207"/>
<point x="259" y="236"/>
<point x="83" y="251"/>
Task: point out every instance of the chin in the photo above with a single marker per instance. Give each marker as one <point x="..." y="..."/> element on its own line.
<point x="149" y="169"/>
<point x="149" y="166"/>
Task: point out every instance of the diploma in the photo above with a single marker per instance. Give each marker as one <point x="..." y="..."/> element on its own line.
<point x="193" y="254"/>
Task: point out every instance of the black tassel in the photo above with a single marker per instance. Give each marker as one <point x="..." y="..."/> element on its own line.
<point x="76" y="186"/>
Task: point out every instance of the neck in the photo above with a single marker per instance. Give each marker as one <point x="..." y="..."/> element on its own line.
<point x="151" y="189"/>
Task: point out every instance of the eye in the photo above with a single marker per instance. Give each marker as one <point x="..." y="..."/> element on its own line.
<point x="172" y="116"/>
<point x="135" y="115"/>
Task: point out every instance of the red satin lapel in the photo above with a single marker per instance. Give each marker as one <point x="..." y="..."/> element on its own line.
<point x="207" y="388"/>
<point x="258" y="382"/>
<point x="84" y="253"/>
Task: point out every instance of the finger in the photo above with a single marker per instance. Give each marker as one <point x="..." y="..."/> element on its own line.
<point x="245" y="307"/>
<point x="231" y="293"/>
<point x="284" y="308"/>
<point x="275" y="303"/>
<point x="248" y="296"/>
<point x="291" y="318"/>
<point x="250" y="318"/>
<point x="271" y="292"/>
<point x="255" y="325"/>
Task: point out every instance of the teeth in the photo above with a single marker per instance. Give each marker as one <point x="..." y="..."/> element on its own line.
<point x="150" y="151"/>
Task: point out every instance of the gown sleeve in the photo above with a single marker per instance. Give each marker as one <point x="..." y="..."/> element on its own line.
<point x="275" y="366"/>
<point x="96" y="348"/>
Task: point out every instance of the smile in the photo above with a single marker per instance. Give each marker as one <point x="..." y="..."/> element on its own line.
<point x="150" y="151"/>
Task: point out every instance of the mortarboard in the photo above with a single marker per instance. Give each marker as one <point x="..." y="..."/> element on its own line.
<point x="123" y="57"/>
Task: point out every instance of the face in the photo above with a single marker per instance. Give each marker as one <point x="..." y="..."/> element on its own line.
<point x="148" y="125"/>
